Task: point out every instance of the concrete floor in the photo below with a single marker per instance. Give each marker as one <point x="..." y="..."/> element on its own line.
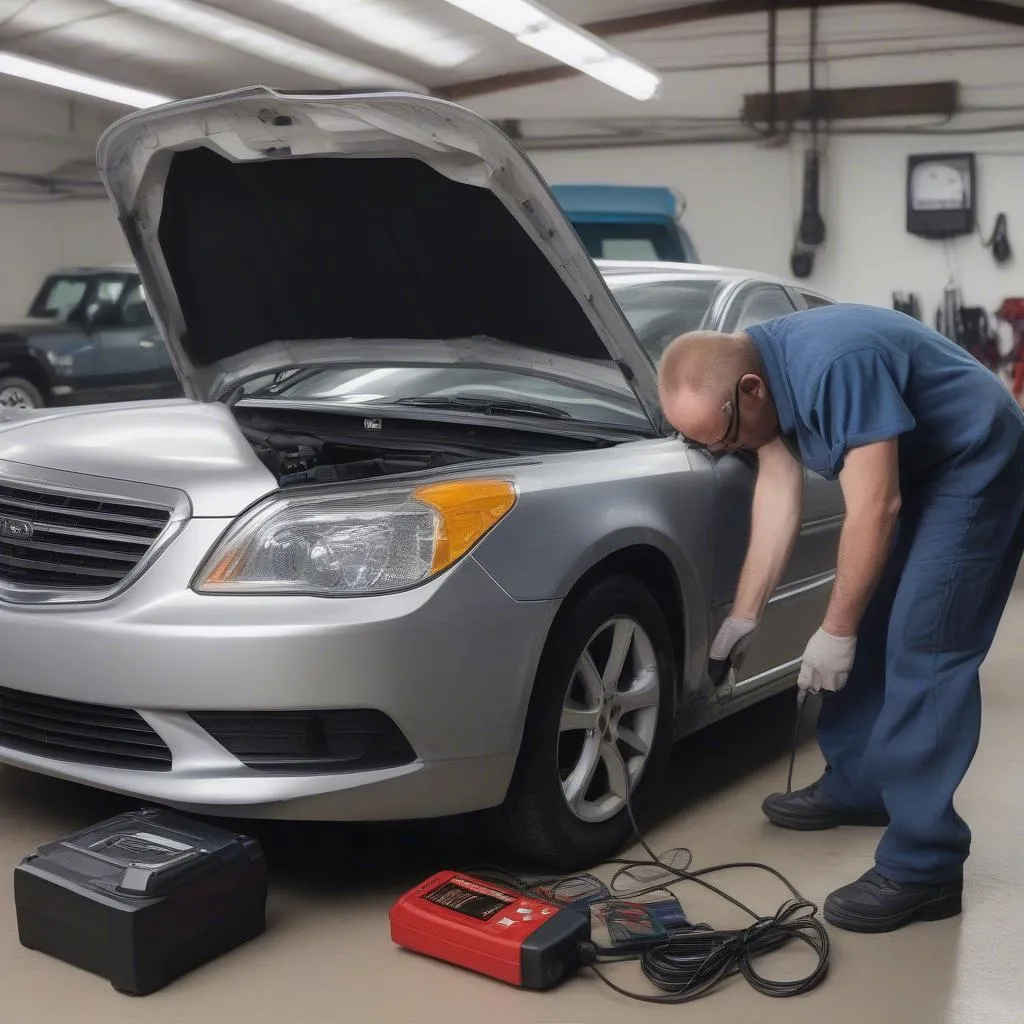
<point x="327" y="953"/>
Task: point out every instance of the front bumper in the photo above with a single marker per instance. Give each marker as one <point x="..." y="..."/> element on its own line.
<point x="451" y="663"/>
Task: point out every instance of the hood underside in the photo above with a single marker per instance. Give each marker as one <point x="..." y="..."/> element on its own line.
<point x="275" y="229"/>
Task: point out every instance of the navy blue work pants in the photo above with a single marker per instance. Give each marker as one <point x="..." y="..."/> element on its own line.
<point x="903" y="732"/>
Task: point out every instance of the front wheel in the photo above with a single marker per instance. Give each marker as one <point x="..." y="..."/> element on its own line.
<point x="599" y="728"/>
<point x="17" y="393"/>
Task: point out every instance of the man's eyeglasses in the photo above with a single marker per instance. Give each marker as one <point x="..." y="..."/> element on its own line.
<point x="731" y="412"/>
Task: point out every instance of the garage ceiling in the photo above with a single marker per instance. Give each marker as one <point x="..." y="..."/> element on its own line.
<point x="709" y="54"/>
<point x="434" y="45"/>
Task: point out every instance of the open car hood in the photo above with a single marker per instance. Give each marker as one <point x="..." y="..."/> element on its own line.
<point x="276" y="229"/>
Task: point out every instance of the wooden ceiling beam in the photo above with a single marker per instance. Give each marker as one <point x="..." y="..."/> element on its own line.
<point x="985" y="10"/>
<point x="630" y="24"/>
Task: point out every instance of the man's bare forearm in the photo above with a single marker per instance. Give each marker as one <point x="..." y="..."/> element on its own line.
<point x="870" y="484"/>
<point x="863" y="549"/>
<point x="774" y="526"/>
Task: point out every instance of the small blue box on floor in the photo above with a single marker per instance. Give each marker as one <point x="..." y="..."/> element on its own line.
<point x="142" y="898"/>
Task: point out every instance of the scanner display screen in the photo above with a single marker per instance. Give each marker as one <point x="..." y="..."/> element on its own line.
<point x="468" y="898"/>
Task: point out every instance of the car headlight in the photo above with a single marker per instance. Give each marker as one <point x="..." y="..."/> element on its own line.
<point x="368" y="542"/>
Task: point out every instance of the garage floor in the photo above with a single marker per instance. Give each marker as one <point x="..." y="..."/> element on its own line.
<point x="327" y="953"/>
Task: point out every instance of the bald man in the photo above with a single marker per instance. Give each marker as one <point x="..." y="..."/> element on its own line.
<point x="928" y="448"/>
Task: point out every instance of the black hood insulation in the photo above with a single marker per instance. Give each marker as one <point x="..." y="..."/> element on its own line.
<point x="300" y="249"/>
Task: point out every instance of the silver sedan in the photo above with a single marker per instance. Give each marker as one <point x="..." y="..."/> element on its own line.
<point x="417" y="541"/>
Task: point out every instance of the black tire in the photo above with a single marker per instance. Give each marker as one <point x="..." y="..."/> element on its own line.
<point x="535" y="822"/>
<point x="31" y="392"/>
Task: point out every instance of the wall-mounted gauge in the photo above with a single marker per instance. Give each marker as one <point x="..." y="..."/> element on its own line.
<point x="941" y="194"/>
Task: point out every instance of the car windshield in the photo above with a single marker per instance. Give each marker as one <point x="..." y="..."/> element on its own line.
<point x="62" y="296"/>
<point x="630" y="241"/>
<point x="658" y="307"/>
<point x="473" y="389"/>
<point x="661" y="307"/>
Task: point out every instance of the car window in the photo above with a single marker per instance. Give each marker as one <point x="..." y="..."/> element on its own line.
<point x="689" y="249"/>
<point x="662" y="308"/>
<point x="624" y="241"/>
<point x="628" y="249"/>
<point x="134" y="309"/>
<point x="756" y="305"/>
<point x="109" y="290"/>
<point x="813" y="301"/>
<point x="60" y="297"/>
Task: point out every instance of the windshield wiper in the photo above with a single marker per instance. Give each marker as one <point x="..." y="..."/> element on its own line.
<point x="489" y="406"/>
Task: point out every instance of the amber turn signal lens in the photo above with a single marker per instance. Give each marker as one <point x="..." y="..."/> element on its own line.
<point x="226" y="569"/>
<point x="467" y="509"/>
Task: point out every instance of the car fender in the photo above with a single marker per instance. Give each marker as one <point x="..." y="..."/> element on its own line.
<point x="556" y="537"/>
<point x="18" y="356"/>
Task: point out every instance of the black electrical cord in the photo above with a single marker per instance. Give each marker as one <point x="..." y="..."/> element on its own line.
<point x="691" y="962"/>
<point x="801" y="698"/>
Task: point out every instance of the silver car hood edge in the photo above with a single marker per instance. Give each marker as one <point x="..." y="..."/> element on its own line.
<point x="134" y="157"/>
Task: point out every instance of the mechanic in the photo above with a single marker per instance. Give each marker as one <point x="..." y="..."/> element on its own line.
<point x="928" y="448"/>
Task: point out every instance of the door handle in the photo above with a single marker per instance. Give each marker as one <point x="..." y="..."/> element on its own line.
<point x="146" y="343"/>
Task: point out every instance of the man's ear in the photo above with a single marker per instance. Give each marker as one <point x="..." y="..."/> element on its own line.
<point x="751" y="384"/>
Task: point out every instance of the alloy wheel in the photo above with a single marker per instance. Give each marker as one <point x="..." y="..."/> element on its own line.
<point x="15" y="397"/>
<point x="609" y="720"/>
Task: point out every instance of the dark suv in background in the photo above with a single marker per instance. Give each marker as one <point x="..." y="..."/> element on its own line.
<point x="89" y="338"/>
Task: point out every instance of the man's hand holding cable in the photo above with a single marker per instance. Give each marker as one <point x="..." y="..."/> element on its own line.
<point x="730" y="646"/>
<point x="827" y="662"/>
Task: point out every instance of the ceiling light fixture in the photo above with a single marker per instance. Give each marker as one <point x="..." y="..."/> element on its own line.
<point x="277" y="47"/>
<point x="545" y="31"/>
<point x="390" y="29"/>
<point x="74" y="81"/>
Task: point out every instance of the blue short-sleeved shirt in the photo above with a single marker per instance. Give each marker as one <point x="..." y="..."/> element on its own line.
<point x="848" y="375"/>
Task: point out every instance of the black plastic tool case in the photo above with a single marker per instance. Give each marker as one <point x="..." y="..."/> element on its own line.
<point x="143" y="898"/>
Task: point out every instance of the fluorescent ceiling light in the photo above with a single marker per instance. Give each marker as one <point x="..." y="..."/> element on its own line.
<point x="545" y="31"/>
<point x="390" y="29"/>
<point x="242" y="34"/>
<point x="73" y="81"/>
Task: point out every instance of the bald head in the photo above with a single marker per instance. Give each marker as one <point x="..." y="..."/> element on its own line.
<point x="699" y="376"/>
<point x="706" y="365"/>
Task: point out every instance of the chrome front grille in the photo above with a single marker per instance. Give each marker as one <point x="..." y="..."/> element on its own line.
<point x="68" y="541"/>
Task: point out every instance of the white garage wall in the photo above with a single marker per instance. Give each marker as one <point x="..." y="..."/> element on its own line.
<point x="743" y="199"/>
<point x="742" y="206"/>
<point x="40" y="237"/>
<point x="41" y="132"/>
<point x="743" y="203"/>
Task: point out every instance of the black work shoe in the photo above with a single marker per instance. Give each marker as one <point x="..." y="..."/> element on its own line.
<point x="809" y="809"/>
<point x="877" y="904"/>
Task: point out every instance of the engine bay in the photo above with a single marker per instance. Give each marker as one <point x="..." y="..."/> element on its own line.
<point x="300" y="459"/>
<point x="303" y="448"/>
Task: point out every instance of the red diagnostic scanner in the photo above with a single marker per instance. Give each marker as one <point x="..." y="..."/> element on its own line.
<point x="521" y="940"/>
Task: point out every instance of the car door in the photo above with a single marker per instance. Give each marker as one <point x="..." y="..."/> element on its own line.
<point x="796" y="608"/>
<point x="132" y="364"/>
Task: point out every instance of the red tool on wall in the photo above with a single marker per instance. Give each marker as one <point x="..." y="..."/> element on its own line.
<point x="1012" y="313"/>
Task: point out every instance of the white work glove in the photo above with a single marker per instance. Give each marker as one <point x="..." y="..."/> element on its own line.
<point x="827" y="662"/>
<point x="732" y="640"/>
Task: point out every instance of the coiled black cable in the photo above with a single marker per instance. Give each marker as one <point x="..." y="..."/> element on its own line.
<point x="690" y="962"/>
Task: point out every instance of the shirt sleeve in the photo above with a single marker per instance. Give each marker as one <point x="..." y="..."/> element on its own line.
<point x="859" y="402"/>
